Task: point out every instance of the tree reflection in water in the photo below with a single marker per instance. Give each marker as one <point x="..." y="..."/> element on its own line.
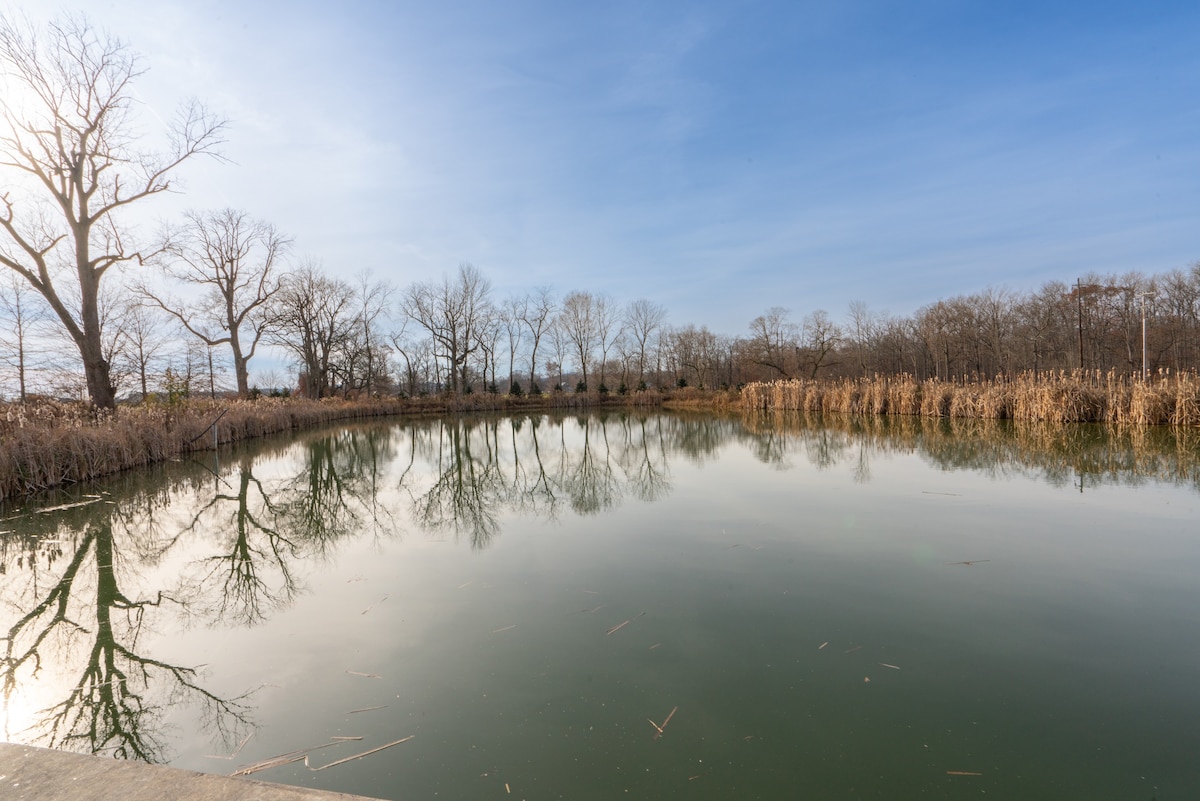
<point x="85" y="628"/>
<point x="86" y="583"/>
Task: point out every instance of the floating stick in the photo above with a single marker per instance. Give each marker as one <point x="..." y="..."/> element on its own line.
<point x="618" y="627"/>
<point x="278" y="761"/>
<point x="893" y="667"/>
<point x="346" y="738"/>
<point x="364" y="675"/>
<point x="360" y="756"/>
<point x="962" y="773"/>
<point x="822" y="645"/>
<point x="853" y="649"/>
<point x="47" y="510"/>
<point x="659" y="733"/>
<point x="972" y="562"/>
<point x="505" y="628"/>
<point x="366" y="709"/>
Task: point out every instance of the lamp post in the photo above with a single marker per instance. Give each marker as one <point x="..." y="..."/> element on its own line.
<point x="1143" y="296"/>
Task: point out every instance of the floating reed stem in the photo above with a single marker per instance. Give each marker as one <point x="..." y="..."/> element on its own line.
<point x="344" y="760"/>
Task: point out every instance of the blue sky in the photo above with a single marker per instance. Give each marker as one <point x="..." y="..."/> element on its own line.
<point x="716" y="157"/>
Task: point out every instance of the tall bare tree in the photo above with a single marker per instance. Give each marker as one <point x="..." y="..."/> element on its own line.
<point x="230" y="264"/>
<point x="314" y="315"/>
<point x="577" y="321"/>
<point x="21" y="312"/>
<point x="773" y="342"/>
<point x="451" y="312"/>
<point x="608" y="330"/>
<point x="642" y="319"/>
<point x="144" y="335"/>
<point x="539" y="317"/>
<point x="68" y="138"/>
<point x="513" y="311"/>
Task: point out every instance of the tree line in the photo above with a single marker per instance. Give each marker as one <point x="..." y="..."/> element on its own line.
<point x="89" y="306"/>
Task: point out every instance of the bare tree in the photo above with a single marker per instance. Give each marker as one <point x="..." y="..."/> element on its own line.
<point x="450" y="312"/>
<point x="642" y="319"/>
<point x="820" y="338"/>
<point x="373" y="303"/>
<point x="71" y="138"/>
<point x="313" y="316"/>
<point x="577" y="321"/>
<point x="21" y="310"/>
<point x="230" y="264"/>
<point x="772" y="342"/>
<point x="608" y="330"/>
<point x="144" y="341"/>
<point x="538" y="318"/>
<point x="513" y="312"/>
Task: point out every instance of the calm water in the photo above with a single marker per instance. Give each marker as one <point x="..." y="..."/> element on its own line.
<point x="658" y="607"/>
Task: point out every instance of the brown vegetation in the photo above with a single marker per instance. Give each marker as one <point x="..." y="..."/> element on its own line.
<point x="49" y="443"/>
<point x="1059" y="397"/>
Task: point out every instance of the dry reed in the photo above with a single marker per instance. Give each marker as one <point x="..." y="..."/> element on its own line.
<point x="1059" y="397"/>
<point x="50" y="443"/>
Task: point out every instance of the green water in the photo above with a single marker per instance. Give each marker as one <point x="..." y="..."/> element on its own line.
<point x="875" y="610"/>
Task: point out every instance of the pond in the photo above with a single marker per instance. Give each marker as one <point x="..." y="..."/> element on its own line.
<point x="651" y="605"/>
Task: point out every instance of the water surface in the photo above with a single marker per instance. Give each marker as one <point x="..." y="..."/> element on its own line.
<point x="588" y="607"/>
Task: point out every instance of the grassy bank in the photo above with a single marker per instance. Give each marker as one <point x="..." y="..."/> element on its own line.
<point x="1061" y="397"/>
<point x="48" y="444"/>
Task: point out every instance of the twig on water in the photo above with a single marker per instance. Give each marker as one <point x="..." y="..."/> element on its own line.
<point x="360" y="756"/>
<point x="618" y="627"/>
<point x="366" y="709"/>
<point x="962" y="773"/>
<point x="504" y="628"/>
<point x="279" y="761"/>
<point x="972" y="562"/>
<point x="659" y="728"/>
<point x="886" y="665"/>
<point x="822" y="645"/>
<point x="853" y="648"/>
<point x="364" y="675"/>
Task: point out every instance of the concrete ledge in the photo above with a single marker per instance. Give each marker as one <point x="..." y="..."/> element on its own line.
<point x="40" y="774"/>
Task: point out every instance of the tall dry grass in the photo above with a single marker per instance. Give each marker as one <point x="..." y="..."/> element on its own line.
<point x="1059" y="397"/>
<point x="48" y="443"/>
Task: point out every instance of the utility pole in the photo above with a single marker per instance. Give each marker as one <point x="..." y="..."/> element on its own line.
<point x="1079" y="300"/>
<point x="1145" y="367"/>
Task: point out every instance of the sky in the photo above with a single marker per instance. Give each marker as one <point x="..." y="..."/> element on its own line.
<point x="718" y="158"/>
